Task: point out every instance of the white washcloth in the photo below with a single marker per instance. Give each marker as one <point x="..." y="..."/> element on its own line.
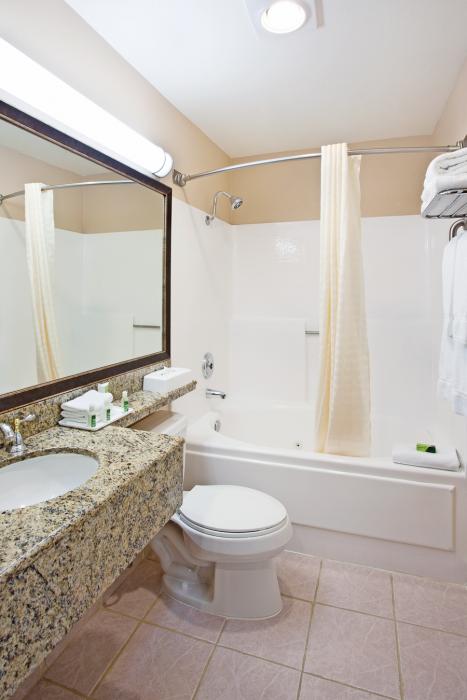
<point x="342" y="423"/>
<point x="81" y="404"/>
<point x="452" y="379"/>
<point x="446" y="172"/>
<point x="446" y="458"/>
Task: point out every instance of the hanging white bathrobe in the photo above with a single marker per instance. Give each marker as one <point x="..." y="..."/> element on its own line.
<point x="40" y="253"/>
<point x="342" y="424"/>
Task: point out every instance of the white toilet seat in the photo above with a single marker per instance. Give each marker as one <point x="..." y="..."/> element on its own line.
<point x="230" y="535"/>
<point x="231" y="511"/>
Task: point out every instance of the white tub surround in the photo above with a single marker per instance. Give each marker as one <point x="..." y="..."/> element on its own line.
<point x="366" y="510"/>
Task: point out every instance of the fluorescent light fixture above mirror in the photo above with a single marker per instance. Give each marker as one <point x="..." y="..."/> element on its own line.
<point x="26" y="85"/>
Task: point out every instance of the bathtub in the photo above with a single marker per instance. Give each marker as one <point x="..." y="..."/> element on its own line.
<point x="366" y="510"/>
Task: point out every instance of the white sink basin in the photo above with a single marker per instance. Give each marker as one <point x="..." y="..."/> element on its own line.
<point x="39" y="479"/>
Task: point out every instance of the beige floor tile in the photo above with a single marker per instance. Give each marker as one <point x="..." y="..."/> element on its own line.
<point x="433" y="664"/>
<point x="234" y="676"/>
<point x="353" y="648"/>
<point x="442" y="606"/>
<point x="298" y="575"/>
<point x="48" y="691"/>
<point x="138" y="591"/>
<point x="356" y="588"/>
<point x="168" y="612"/>
<point x="319" y="689"/>
<point x="156" y="664"/>
<point x="83" y="662"/>
<point x="281" y="638"/>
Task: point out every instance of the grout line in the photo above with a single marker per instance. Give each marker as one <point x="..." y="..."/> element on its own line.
<point x="346" y="685"/>
<point x="398" y="653"/>
<point x="120" y="652"/>
<point x="313" y="605"/>
<point x="78" y="693"/>
<point x="380" y="617"/>
<point x="113" y="660"/>
<point x="214" y="647"/>
<point x="168" y="629"/>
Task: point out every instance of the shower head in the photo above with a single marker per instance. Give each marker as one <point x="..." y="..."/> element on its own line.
<point x="235" y="203"/>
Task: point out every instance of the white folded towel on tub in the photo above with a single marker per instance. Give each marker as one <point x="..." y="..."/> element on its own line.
<point x="447" y="458"/>
<point x="446" y="172"/>
<point x="81" y="405"/>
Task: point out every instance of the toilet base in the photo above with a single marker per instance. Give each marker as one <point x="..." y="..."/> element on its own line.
<point x="249" y="591"/>
<point x="236" y="586"/>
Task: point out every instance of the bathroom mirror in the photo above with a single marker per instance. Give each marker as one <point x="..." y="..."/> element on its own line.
<point x="84" y="268"/>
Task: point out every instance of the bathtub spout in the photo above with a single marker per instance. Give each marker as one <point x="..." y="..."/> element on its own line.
<point x="215" y="392"/>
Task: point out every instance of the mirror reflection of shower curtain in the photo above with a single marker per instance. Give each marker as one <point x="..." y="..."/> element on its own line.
<point x="40" y="254"/>
<point x="342" y="423"/>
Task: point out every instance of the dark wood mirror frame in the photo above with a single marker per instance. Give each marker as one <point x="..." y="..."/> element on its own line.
<point x="40" y="391"/>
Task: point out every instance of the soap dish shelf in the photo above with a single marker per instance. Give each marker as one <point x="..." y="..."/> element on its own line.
<point x="116" y="414"/>
<point x="448" y="204"/>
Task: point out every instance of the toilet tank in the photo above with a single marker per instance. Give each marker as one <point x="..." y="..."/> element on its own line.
<point x="167" y="422"/>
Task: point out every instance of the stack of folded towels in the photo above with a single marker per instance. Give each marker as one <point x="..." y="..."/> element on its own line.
<point x="446" y="458"/>
<point x="446" y="172"/>
<point x="77" y="410"/>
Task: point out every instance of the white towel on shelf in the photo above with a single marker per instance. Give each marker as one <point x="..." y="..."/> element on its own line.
<point x="81" y="405"/>
<point x="446" y="458"/>
<point x="342" y="423"/>
<point x="452" y="379"/>
<point x="82" y="419"/>
<point x="446" y="172"/>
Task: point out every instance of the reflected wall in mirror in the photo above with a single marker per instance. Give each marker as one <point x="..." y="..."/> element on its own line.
<point x="82" y="268"/>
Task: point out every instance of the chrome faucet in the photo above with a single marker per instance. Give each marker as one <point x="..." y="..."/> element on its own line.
<point x="13" y="437"/>
<point x="215" y="392"/>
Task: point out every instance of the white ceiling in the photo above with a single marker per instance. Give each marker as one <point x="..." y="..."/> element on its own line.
<point x="376" y="68"/>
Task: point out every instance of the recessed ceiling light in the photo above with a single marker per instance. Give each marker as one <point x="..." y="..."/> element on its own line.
<point x="283" y="17"/>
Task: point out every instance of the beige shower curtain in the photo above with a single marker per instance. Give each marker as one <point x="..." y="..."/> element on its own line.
<point x="40" y="254"/>
<point x="342" y="424"/>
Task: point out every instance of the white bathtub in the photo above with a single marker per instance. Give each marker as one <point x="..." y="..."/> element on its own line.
<point x="367" y="510"/>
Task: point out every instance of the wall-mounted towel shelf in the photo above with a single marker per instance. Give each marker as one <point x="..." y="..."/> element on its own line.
<point x="449" y="204"/>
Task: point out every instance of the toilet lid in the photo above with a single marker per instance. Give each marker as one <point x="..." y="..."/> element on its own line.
<point x="231" y="509"/>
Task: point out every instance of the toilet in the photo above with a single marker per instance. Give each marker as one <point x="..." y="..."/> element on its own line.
<point x="218" y="550"/>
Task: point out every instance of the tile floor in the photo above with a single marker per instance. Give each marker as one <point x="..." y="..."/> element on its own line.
<point x="346" y="633"/>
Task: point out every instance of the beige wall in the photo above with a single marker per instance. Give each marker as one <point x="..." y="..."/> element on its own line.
<point x="390" y="185"/>
<point x="17" y="168"/>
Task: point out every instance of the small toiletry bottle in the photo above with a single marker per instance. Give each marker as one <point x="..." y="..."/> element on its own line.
<point x="103" y="388"/>
<point x="108" y="409"/>
<point x="125" y="404"/>
<point x="92" y="417"/>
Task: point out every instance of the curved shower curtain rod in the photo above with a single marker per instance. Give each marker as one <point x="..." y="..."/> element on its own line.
<point x="91" y="183"/>
<point x="181" y="178"/>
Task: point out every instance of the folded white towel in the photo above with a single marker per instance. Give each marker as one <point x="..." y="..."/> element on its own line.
<point x="81" y="404"/>
<point x="446" y="458"/>
<point x="82" y="417"/>
<point x="446" y="172"/>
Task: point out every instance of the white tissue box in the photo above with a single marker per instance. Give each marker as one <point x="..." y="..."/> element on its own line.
<point x="167" y="379"/>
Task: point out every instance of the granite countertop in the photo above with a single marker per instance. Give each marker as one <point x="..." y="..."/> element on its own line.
<point x="57" y="557"/>
<point x="121" y="454"/>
